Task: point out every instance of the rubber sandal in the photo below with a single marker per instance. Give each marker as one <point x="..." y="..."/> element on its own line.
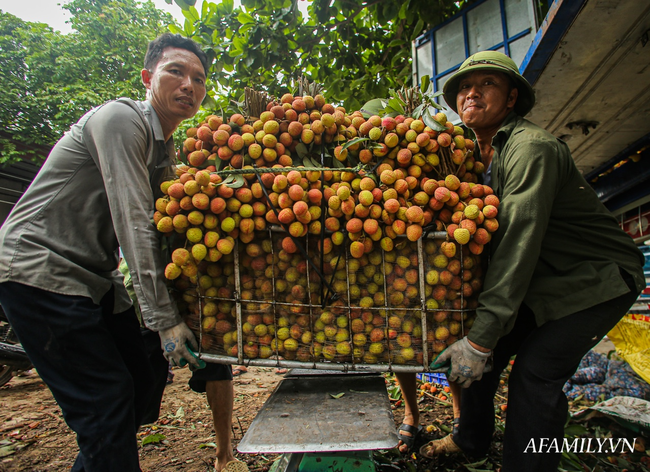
<point x="238" y="371"/>
<point x="236" y="466"/>
<point x="412" y="430"/>
<point x="445" y="445"/>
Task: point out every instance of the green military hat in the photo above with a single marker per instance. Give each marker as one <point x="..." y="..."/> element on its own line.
<point x="491" y="60"/>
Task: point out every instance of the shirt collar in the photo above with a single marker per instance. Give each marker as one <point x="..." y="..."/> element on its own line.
<point x="505" y="131"/>
<point x="155" y="122"/>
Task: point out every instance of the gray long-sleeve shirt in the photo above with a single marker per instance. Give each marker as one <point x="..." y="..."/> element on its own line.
<point x="95" y="193"/>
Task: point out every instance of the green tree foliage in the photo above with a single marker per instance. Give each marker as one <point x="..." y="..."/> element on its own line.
<point x="357" y="49"/>
<point x="49" y="80"/>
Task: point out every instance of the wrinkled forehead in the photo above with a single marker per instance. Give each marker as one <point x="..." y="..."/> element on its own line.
<point x="180" y="58"/>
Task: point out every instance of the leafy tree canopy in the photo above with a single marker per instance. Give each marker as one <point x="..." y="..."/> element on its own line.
<point x="357" y="49"/>
<point x="51" y="79"/>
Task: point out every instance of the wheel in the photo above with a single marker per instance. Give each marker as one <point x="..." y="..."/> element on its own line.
<point x="6" y="373"/>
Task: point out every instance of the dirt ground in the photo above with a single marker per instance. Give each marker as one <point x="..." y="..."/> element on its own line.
<point x="34" y="436"/>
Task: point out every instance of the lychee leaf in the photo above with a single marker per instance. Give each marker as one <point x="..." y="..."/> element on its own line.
<point x="337" y="164"/>
<point x="337" y="396"/>
<point x="301" y="150"/>
<point x="237" y="182"/>
<point x="373" y="107"/>
<point x="352" y="142"/>
<point x="431" y="123"/>
<point x="309" y="161"/>
<point x="397" y="105"/>
<point x="425" y="82"/>
<point x="227" y="180"/>
<point x="388" y="111"/>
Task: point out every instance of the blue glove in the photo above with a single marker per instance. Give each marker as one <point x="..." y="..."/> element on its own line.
<point x="466" y="364"/>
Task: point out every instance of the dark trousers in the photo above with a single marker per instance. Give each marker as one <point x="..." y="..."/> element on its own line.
<point x="160" y="369"/>
<point x="547" y="356"/>
<point x="95" y="364"/>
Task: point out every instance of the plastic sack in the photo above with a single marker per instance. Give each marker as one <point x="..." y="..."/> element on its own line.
<point x="631" y="336"/>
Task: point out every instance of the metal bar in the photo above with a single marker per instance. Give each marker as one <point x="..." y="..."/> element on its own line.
<point x="504" y="27"/>
<point x="240" y="334"/>
<point x="342" y="367"/>
<point x="423" y="302"/>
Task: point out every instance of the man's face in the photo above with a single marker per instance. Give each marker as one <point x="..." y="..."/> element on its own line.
<point x="484" y="99"/>
<point x="176" y="86"/>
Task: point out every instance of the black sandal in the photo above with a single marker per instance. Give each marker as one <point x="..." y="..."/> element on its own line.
<point x="412" y="430"/>
<point x="456" y="424"/>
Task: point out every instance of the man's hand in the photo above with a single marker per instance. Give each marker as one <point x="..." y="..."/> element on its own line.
<point x="172" y="341"/>
<point x="467" y="362"/>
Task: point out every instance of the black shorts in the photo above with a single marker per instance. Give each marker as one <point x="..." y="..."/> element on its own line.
<point x="210" y="372"/>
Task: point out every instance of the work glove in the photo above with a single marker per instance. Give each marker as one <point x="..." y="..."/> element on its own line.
<point x="176" y="343"/>
<point x="467" y="364"/>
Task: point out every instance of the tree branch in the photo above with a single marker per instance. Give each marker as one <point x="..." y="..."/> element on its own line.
<point x="317" y="39"/>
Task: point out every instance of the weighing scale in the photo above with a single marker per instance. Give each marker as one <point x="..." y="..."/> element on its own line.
<point x="323" y="421"/>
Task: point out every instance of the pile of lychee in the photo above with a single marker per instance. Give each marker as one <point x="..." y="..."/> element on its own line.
<point x="360" y="230"/>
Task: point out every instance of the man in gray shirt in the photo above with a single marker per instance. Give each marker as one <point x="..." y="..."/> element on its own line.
<point x="59" y="283"/>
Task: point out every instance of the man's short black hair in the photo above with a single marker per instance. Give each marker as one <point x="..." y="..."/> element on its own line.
<point x="169" y="40"/>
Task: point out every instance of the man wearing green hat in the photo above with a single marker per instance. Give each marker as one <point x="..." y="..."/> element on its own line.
<point x="561" y="274"/>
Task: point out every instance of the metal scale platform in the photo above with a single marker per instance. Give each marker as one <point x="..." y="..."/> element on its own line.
<point x="315" y="428"/>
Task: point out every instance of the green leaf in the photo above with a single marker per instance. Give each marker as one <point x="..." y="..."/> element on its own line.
<point x="397" y="105"/>
<point x="308" y="161"/>
<point x="220" y="165"/>
<point x="430" y="122"/>
<point x="373" y="107"/>
<point x="153" y="439"/>
<point x="209" y="103"/>
<point x="417" y="113"/>
<point x="237" y="182"/>
<point x="425" y="81"/>
<point x="174" y="29"/>
<point x="337" y="164"/>
<point x="417" y="29"/>
<point x="301" y="150"/>
<point x="244" y="18"/>
<point x="396" y="42"/>
<point x="210" y="444"/>
<point x="7" y="450"/>
<point x="353" y="142"/>
<point x="338" y="395"/>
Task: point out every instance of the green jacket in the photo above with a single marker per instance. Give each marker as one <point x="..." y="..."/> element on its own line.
<point x="557" y="249"/>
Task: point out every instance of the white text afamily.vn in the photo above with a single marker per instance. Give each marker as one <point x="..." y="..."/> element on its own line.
<point x="579" y="445"/>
